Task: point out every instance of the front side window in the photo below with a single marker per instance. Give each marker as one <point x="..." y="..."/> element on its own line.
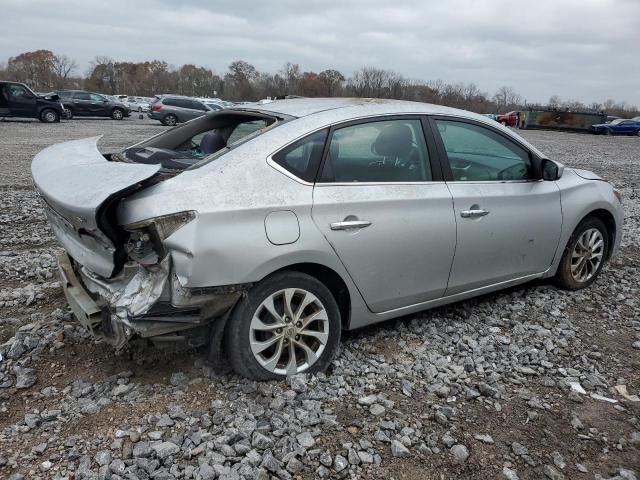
<point x="303" y="157"/>
<point x="198" y="106"/>
<point x="18" y="91"/>
<point x="82" y="96"/>
<point x="380" y="151"/>
<point x="477" y="153"/>
<point x="97" y="98"/>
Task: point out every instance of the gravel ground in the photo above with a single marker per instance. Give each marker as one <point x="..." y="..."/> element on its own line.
<point x="481" y="389"/>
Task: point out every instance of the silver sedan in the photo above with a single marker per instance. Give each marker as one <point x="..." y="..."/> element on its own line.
<point x="266" y="230"/>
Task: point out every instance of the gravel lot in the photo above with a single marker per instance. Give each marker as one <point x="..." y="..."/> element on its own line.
<point x="477" y="390"/>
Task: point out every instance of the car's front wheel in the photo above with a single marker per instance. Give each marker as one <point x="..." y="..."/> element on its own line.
<point x="49" y="116"/>
<point x="117" y="114"/>
<point x="288" y="323"/>
<point x="584" y="255"/>
<point x="170" y="120"/>
<point x="68" y="113"/>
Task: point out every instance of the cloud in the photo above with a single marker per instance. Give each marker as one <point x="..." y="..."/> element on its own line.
<point x="579" y="49"/>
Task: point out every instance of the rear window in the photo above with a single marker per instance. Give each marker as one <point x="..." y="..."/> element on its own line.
<point x="245" y="129"/>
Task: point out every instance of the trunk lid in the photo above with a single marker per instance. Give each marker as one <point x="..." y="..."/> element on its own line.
<point x="78" y="186"/>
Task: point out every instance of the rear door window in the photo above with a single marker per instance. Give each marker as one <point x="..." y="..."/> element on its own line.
<point x="380" y="151"/>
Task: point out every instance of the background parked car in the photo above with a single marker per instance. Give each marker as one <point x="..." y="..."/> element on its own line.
<point x="617" y="127"/>
<point x="89" y="104"/>
<point x="174" y="109"/>
<point x="508" y="119"/>
<point x="138" y="104"/>
<point x="18" y="100"/>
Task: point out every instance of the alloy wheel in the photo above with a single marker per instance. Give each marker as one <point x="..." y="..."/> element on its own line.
<point x="587" y="255"/>
<point x="289" y="331"/>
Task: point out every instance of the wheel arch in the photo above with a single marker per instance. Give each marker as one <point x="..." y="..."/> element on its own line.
<point x="330" y="279"/>
<point x="606" y="217"/>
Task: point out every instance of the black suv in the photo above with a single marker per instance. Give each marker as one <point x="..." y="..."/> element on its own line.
<point x="88" y="104"/>
<point x="18" y="100"/>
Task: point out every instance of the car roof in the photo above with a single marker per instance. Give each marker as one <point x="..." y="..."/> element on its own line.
<point x="314" y="113"/>
<point x="351" y="108"/>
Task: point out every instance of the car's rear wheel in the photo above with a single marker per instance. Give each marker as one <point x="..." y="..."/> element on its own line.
<point x="117" y="114"/>
<point x="584" y="255"/>
<point x="49" y="115"/>
<point x="170" y="120"/>
<point x="288" y="323"/>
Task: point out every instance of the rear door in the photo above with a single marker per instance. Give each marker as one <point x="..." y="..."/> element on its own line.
<point x="81" y="103"/>
<point x="382" y="206"/>
<point x="508" y="220"/>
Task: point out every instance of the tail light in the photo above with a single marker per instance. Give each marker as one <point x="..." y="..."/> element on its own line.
<point x="145" y="238"/>
<point x="155" y="108"/>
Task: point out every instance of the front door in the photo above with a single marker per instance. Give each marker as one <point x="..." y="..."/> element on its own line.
<point x="509" y="221"/>
<point x="385" y="214"/>
<point x="21" y="101"/>
<point x="98" y="105"/>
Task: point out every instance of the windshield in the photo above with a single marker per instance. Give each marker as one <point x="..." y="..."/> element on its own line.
<point x="615" y="122"/>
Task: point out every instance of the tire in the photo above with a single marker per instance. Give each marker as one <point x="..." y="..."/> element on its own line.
<point x="68" y="113"/>
<point x="251" y="321"/>
<point x="117" y="114"/>
<point x="608" y="132"/>
<point x="580" y="250"/>
<point x="170" y="120"/>
<point x="49" y="115"/>
<point x="638" y="133"/>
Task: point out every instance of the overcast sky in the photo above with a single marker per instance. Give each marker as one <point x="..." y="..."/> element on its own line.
<point x="578" y="49"/>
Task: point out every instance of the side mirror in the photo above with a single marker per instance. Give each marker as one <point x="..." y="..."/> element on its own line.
<point x="551" y="170"/>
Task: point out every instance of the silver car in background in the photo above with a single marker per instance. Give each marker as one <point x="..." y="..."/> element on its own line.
<point x="267" y="230"/>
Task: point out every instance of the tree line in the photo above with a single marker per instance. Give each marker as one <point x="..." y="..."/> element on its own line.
<point x="43" y="70"/>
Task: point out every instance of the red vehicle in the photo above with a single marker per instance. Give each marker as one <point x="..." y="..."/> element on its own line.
<point x="510" y="119"/>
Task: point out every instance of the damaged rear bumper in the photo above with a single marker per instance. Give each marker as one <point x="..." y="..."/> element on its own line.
<point x="145" y="301"/>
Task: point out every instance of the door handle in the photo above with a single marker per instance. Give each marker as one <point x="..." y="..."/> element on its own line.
<point x="349" y="224"/>
<point x="474" y="213"/>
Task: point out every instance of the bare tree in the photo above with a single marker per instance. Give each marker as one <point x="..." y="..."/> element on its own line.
<point x="64" y="67"/>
